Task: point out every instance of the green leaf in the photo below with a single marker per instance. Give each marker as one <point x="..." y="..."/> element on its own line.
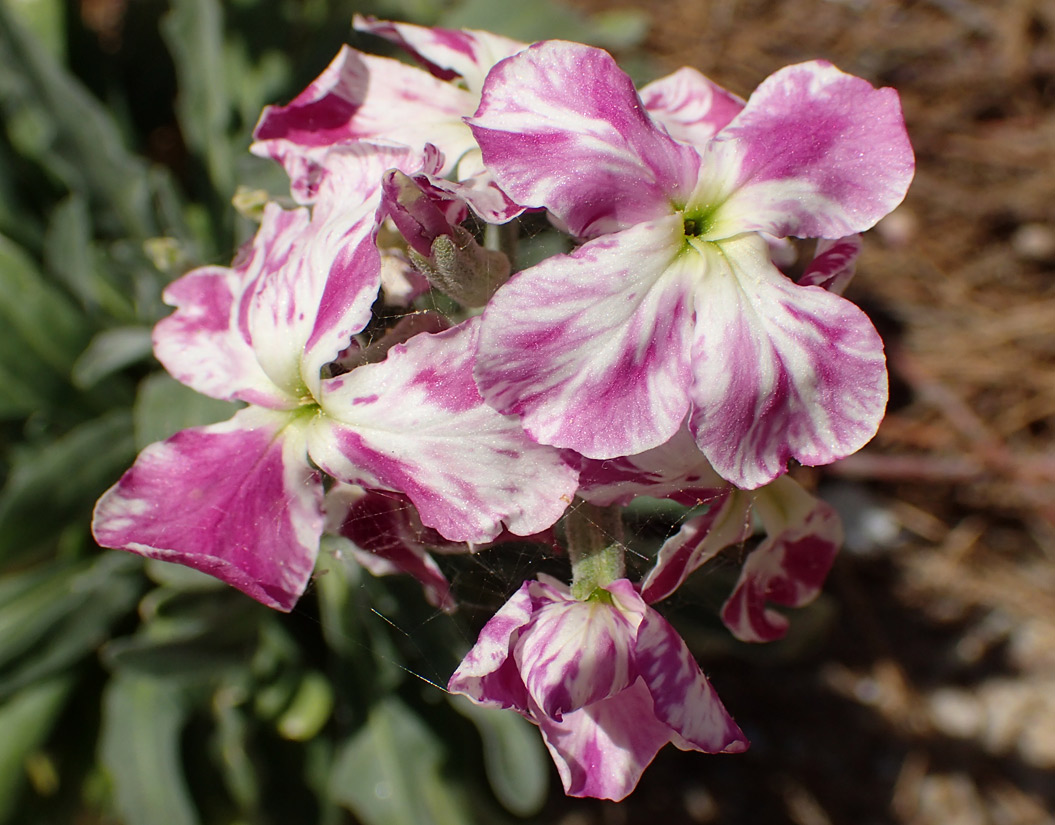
<point x="37" y="313"/>
<point x="309" y="710"/>
<point x="164" y="406"/>
<point x="53" y="485"/>
<point x="390" y="772"/>
<point x="26" y="719"/>
<point x="110" y="351"/>
<point x="62" y="617"/>
<point x="68" y="131"/>
<point x="140" y="748"/>
<point x="193" y="31"/>
<point x="74" y="261"/>
<point x="515" y="759"/>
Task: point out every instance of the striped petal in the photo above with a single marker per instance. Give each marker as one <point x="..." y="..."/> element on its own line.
<point x="676" y="470"/>
<point x="561" y="106"/>
<point x="789" y="567"/>
<point x="781" y="371"/>
<point x="700" y="539"/>
<point x="692" y="108"/>
<point x="833" y="265"/>
<point x="601" y="751"/>
<point x="236" y="500"/>
<point x="362" y="97"/>
<point x="592" y="349"/>
<point x="415" y="424"/>
<point x="448" y="53"/>
<point x="574" y="654"/>
<point x="207" y="343"/>
<point x="488" y="674"/>
<point x="815" y="153"/>
<point x="682" y="698"/>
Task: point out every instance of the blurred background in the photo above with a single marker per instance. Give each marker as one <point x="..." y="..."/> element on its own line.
<point x="919" y="689"/>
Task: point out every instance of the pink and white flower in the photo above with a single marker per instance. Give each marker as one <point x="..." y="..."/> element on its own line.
<point x="607" y="680"/>
<point x="673" y="310"/>
<point x="364" y="97"/>
<point x="242" y="500"/>
<point x="803" y="534"/>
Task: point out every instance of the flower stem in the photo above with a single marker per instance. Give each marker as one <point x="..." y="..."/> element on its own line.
<point x="594" y="536"/>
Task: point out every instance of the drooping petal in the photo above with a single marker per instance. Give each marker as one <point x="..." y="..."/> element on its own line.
<point x="488" y="674"/>
<point x="592" y="349"/>
<point x="834" y="264"/>
<point x="416" y="424"/>
<point x="574" y="654"/>
<point x="781" y="371"/>
<point x="237" y="500"/>
<point x="380" y="529"/>
<point x="691" y="107"/>
<point x="681" y="695"/>
<point x="789" y="567"/>
<point x="561" y="106"/>
<point x="676" y="470"/>
<point x="448" y="53"/>
<point x="815" y="153"/>
<point x="602" y="750"/>
<point x="362" y="97"/>
<point x="421" y="211"/>
<point x="700" y="539"/>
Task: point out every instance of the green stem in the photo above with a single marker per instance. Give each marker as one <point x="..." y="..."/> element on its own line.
<point x="595" y="546"/>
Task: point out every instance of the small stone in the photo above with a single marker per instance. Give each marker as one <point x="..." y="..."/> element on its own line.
<point x="1034" y="241"/>
<point x="956" y="713"/>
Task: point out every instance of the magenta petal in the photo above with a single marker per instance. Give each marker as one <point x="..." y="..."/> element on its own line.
<point x="340" y="275"/>
<point x="602" y="750"/>
<point x="362" y="97"/>
<point x="592" y="349"/>
<point x="558" y="106"/>
<point x="421" y="212"/>
<point x="448" y="53"/>
<point x="676" y="470"/>
<point x="415" y="424"/>
<point x="202" y="345"/>
<point x="488" y="675"/>
<point x="700" y="539"/>
<point x="809" y="381"/>
<point x="575" y="653"/>
<point x="380" y="527"/>
<point x="681" y="695"/>
<point x="690" y="107"/>
<point x="834" y="264"/>
<point x="789" y="567"/>
<point x="237" y="500"/>
<point x="816" y="153"/>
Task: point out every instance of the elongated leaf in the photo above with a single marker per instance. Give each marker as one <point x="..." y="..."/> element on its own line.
<point x="110" y="351"/>
<point x="164" y="406"/>
<point x="62" y="617"/>
<point x="26" y="719"/>
<point x="390" y="772"/>
<point x="76" y="138"/>
<point x="193" y="31"/>
<point x="56" y="484"/>
<point x="515" y="759"/>
<point x="36" y="312"/>
<point x="142" y="721"/>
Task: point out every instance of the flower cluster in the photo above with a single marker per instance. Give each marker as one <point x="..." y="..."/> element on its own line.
<point x="666" y="355"/>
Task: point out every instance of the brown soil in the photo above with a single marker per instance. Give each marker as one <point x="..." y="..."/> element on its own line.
<point x="930" y="697"/>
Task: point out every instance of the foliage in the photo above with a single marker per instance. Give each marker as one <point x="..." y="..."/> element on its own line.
<point x="142" y="693"/>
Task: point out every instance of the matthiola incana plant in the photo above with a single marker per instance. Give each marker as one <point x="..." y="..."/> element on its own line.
<point x="669" y="354"/>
